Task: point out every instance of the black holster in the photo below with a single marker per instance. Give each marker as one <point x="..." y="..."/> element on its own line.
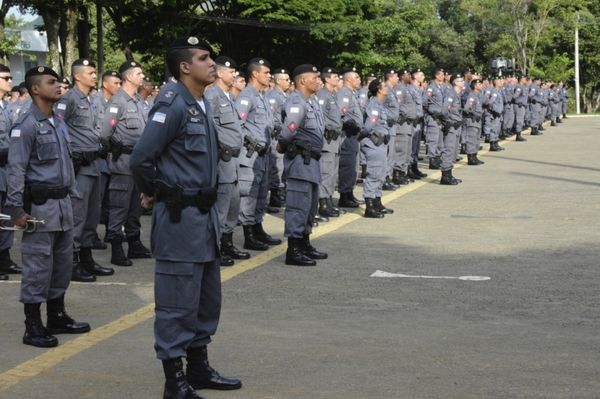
<point x="175" y="199"/>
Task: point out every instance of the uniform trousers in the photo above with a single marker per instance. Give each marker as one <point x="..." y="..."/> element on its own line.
<point x="434" y="138"/>
<point x="519" y="118"/>
<point x="6" y="236"/>
<point x="403" y="146"/>
<point x="187" y="306"/>
<point x="508" y="119"/>
<point x="329" y="165"/>
<point x="473" y="131"/>
<point x="301" y="204"/>
<point x="86" y="211"/>
<point x="416" y="143"/>
<point x="348" y="164"/>
<point x="449" y="150"/>
<point x="228" y="206"/>
<point x="491" y="127"/>
<point x="253" y="184"/>
<point x="376" y="168"/>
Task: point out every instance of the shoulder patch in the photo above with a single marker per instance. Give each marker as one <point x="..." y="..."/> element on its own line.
<point x="61" y="106"/>
<point x="294" y="110"/>
<point x="244" y="102"/>
<point x="15" y="133"/>
<point x="159" y="117"/>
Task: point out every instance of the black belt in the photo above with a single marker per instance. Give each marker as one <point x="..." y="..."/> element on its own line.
<point x="305" y="149"/>
<point x="86" y="157"/>
<point x="126" y="150"/>
<point x="40" y="193"/>
<point x="175" y="200"/>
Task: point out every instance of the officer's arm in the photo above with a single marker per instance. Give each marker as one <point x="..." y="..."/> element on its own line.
<point x="243" y="105"/>
<point x="212" y="99"/>
<point x="22" y="140"/>
<point x="64" y="108"/>
<point x="112" y="114"/>
<point x="294" y="115"/>
<point x="163" y="127"/>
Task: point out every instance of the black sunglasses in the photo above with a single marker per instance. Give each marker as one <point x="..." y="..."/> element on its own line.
<point x="7" y="78"/>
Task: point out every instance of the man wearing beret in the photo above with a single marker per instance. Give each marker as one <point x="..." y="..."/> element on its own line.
<point x="41" y="182"/>
<point x="301" y="142"/>
<point x="433" y="119"/>
<point x="175" y="166"/>
<point x="122" y="126"/>
<point x="7" y="266"/>
<point x="78" y="111"/>
<point x="452" y="126"/>
<point x="229" y="133"/>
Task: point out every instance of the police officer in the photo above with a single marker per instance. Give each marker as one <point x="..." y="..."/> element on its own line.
<point x="257" y="125"/>
<point x="406" y="123"/>
<point x="41" y="181"/>
<point x="452" y="117"/>
<point x="239" y="84"/>
<point x="508" y="117"/>
<point x="535" y="106"/>
<point x="302" y="141"/>
<point x="7" y="266"/>
<point x="175" y="164"/>
<point x="20" y="105"/>
<point x="330" y="154"/>
<point x="473" y="114"/>
<point x="433" y="118"/>
<point x="418" y="93"/>
<point x="352" y="122"/>
<point x="229" y="133"/>
<point x="276" y="98"/>
<point x="493" y="105"/>
<point x="372" y="145"/>
<point x="520" y="101"/>
<point x="122" y="126"/>
<point x="565" y="97"/>
<point x="79" y="113"/>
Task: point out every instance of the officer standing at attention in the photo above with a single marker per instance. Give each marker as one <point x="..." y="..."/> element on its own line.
<point x="229" y="133"/>
<point x="276" y="98"/>
<point x="433" y="120"/>
<point x="372" y="139"/>
<point x="417" y="92"/>
<point x="330" y="154"/>
<point x="473" y="113"/>
<point x="79" y="113"/>
<point x="508" y="117"/>
<point x="392" y="112"/>
<point x="253" y="174"/>
<point x="7" y="266"/>
<point x="302" y="141"/>
<point x="406" y="123"/>
<point x="535" y="107"/>
<point x="493" y="105"/>
<point x="41" y="182"/>
<point x="122" y="126"/>
<point x="175" y="165"/>
<point x="520" y="100"/>
<point x="352" y="122"/>
<point x="452" y="116"/>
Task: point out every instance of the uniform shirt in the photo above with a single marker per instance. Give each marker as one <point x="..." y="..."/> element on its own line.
<point x="5" y="125"/>
<point x="452" y="109"/>
<point x="535" y="94"/>
<point x="303" y="122"/>
<point x="492" y="100"/>
<point x="435" y="99"/>
<point x="123" y="122"/>
<point x="417" y="96"/>
<point x="392" y="103"/>
<point x="508" y="93"/>
<point x="349" y="106"/>
<point x="406" y="102"/>
<point x="18" y="107"/>
<point x="255" y="115"/>
<point x="375" y="122"/>
<point x="473" y="110"/>
<point x="179" y="146"/>
<point x="39" y="154"/>
<point x="363" y="99"/>
<point x="79" y="113"/>
<point x="332" y="117"/>
<point x="228" y="127"/>
<point x="276" y="98"/>
<point x="520" y="95"/>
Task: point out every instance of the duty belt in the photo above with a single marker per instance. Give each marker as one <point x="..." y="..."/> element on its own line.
<point x="119" y="149"/>
<point x="252" y="145"/>
<point x="306" y="150"/>
<point x="331" y="135"/>
<point x="226" y="152"/>
<point x="39" y="194"/>
<point x="175" y="200"/>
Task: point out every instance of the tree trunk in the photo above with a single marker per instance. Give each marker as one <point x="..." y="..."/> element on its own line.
<point x="83" y="32"/>
<point x="115" y="15"/>
<point x="100" y="37"/>
<point x="69" y="28"/>
<point x="52" y="25"/>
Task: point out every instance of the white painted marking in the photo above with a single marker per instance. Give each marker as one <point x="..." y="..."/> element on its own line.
<point x="102" y="283"/>
<point x="382" y="274"/>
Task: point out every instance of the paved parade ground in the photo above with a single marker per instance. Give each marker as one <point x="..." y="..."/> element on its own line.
<point x="366" y="323"/>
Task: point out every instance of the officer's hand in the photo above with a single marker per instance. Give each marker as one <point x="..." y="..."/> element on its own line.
<point x="280" y="148"/>
<point x="147" y="202"/>
<point x="22" y="221"/>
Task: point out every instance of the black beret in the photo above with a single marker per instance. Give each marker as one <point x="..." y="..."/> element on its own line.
<point x="404" y="71"/>
<point x="390" y="71"/>
<point x="83" y="62"/>
<point x="348" y="70"/>
<point x="190" y="42"/>
<point x="4" y="68"/>
<point x="41" y="70"/>
<point x="304" y="68"/>
<point x="259" y="61"/>
<point x="456" y="76"/>
<point x="329" y="70"/>
<point x="127" y="65"/>
<point x="417" y="70"/>
<point x="225" y="61"/>
<point x="64" y="81"/>
<point x="15" y="88"/>
<point x="438" y="70"/>
<point x="281" y="71"/>
<point x="111" y="73"/>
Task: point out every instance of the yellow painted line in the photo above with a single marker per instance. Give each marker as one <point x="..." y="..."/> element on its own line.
<point x="65" y="351"/>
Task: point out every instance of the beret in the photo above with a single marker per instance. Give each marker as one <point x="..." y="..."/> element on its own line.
<point x="189" y="42"/>
<point x="456" y="76"/>
<point x="259" y="61"/>
<point x="41" y="70"/>
<point x="83" y="62"/>
<point x="417" y="70"/>
<point x="329" y="70"/>
<point x="64" y="80"/>
<point x="304" y="68"/>
<point x="127" y="65"/>
<point x="281" y="71"/>
<point x="111" y="73"/>
<point x="4" y="68"/>
<point x="225" y="61"/>
<point x="351" y="69"/>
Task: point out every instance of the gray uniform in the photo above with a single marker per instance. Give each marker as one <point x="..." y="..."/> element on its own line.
<point x="520" y="100"/>
<point x="452" y="115"/>
<point x="373" y="148"/>
<point x="330" y="154"/>
<point x="407" y="121"/>
<point x="275" y="98"/>
<point x="392" y="112"/>
<point x="433" y="123"/>
<point x="79" y="113"/>
<point x="535" y="105"/>
<point x="350" y="109"/>
<point x="493" y="105"/>
<point x="257" y="122"/>
<point x="18" y="107"/>
<point x="473" y="113"/>
<point x="417" y="95"/>
<point x="229" y="133"/>
<point x="303" y="128"/>
<point x="122" y="126"/>
<point x="508" y="117"/>
<point x="39" y="162"/>
<point x="565" y="100"/>
<point x="179" y="146"/>
<point x="6" y="237"/>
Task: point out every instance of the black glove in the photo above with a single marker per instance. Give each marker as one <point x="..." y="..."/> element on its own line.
<point x="390" y="122"/>
<point x="350" y="127"/>
<point x="363" y="133"/>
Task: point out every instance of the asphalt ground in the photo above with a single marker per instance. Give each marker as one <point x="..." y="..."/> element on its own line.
<point x="527" y="219"/>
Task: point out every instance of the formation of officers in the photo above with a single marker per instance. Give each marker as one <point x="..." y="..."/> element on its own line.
<point x="213" y="150"/>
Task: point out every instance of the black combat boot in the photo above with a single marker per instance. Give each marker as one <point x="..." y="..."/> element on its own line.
<point x="363" y="172"/>
<point x="79" y="273"/>
<point x="176" y="384"/>
<point x="335" y="208"/>
<point x="310" y="251"/>
<point x="98" y="243"/>
<point x="448" y="179"/>
<point x="473" y="160"/>
<point x="275" y="198"/>
<point x="371" y="210"/>
<point x="564" y="116"/>
<point x="347" y="200"/>
<point x="463" y="149"/>
<point x="89" y="264"/>
<point x="400" y="178"/>
<point x="558" y="120"/>
<point x="534" y="131"/>
<point x="388" y="185"/>
<point x="251" y="241"/>
<point x="136" y="249"/>
<point x="294" y="255"/>
<point x="226" y="261"/>
<point x="7" y="266"/>
<point x="325" y="210"/>
<point x="229" y="250"/>
<point x="381" y="208"/>
<point x="541" y="128"/>
<point x="59" y="321"/>
<point x="201" y="376"/>
<point x="118" y="255"/>
<point x="353" y="198"/>
<point x="520" y="137"/>
<point x="414" y="167"/>
<point x="262" y="235"/>
<point x="35" y="332"/>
